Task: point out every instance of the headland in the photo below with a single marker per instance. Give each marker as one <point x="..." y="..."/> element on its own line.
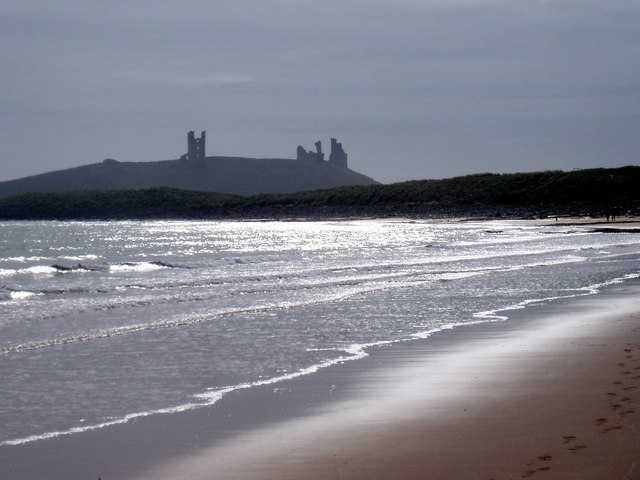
<point x="196" y="171"/>
<point x="608" y="194"/>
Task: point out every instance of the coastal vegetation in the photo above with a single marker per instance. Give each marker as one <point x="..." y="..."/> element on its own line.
<point x="117" y="204"/>
<point x="596" y="192"/>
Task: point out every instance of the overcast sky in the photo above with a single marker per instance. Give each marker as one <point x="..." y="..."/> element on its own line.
<point x="412" y="88"/>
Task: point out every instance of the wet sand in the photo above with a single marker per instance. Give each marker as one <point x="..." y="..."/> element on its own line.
<point x="552" y="393"/>
<point x="619" y="223"/>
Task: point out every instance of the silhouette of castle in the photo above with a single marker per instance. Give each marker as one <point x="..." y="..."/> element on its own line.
<point x="317" y="156"/>
<point x="195" y="146"/>
<point x="337" y="157"/>
<point x="196" y="151"/>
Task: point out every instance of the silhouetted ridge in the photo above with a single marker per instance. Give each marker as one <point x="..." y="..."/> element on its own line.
<point x="597" y="192"/>
<point x="232" y="175"/>
<point x="195" y="171"/>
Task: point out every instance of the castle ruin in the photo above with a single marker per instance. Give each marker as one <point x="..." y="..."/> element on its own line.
<point x="195" y="146"/>
<point x="317" y="156"/>
<point x="337" y="156"/>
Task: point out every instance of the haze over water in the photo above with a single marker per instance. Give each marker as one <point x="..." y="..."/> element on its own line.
<point x="101" y="322"/>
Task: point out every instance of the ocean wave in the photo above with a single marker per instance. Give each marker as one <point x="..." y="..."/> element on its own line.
<point x="21" y="295"/>
<point x="203" y="399"/>
<point x="48" y="270"/>
<point x="332" y="289"/>
<point x="165" y="264"/>
<point x="345" y="354"/>
<point x="80" y="258"/>
<point x="424" y="334"/>
<point x="269" y="296"/>
<point x="23" y="259"/>
<point x="348" y="353"/>
<point x="97" y="426"/>
<point x="134" y="267"/>
<point x="83" y="267"/>
<point x="345" y="289"/>
<point x="593" y="289"/>
<point x="8" y="294"/>
<point x="33" y="270"/>
<point x="72" y="268"/>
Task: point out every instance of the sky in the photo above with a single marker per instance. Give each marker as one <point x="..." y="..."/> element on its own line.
<point x="413" y="89"/>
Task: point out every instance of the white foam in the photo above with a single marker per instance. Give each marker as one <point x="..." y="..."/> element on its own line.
<point x="22" y="295"/>
<point x="39" y="270"/>
<point x="34" y="270"/>
<point x="135" y="267"/>
<point x="492" y="315"/>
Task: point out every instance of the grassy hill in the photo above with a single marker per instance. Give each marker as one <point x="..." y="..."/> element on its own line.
<point x="232" y="175"/>
<point x="586" y="192"/>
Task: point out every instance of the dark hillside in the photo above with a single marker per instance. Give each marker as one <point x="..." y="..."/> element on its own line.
<point x="116" y="204"/>
<point x="583" y="191"/>
<point x="232" y="175"/>
<point x="596" y="192"/>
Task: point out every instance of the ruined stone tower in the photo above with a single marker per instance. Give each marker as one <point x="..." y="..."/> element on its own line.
<point x="195" y="146"/>
<point x="338" y="156"/>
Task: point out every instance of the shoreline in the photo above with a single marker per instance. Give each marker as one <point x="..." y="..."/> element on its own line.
<point x="551" y="393"/>
<point x="304" y="420"/>
<point x="627" y="223"/>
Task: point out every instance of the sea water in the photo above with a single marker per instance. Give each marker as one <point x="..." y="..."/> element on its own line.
<point x="103" y="322"/>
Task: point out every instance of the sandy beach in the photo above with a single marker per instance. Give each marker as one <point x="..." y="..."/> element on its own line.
<point x="620" y="223"/>
<point x="552" y="393"/>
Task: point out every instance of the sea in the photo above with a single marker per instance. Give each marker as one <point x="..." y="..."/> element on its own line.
<point x="105" y="322"/>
